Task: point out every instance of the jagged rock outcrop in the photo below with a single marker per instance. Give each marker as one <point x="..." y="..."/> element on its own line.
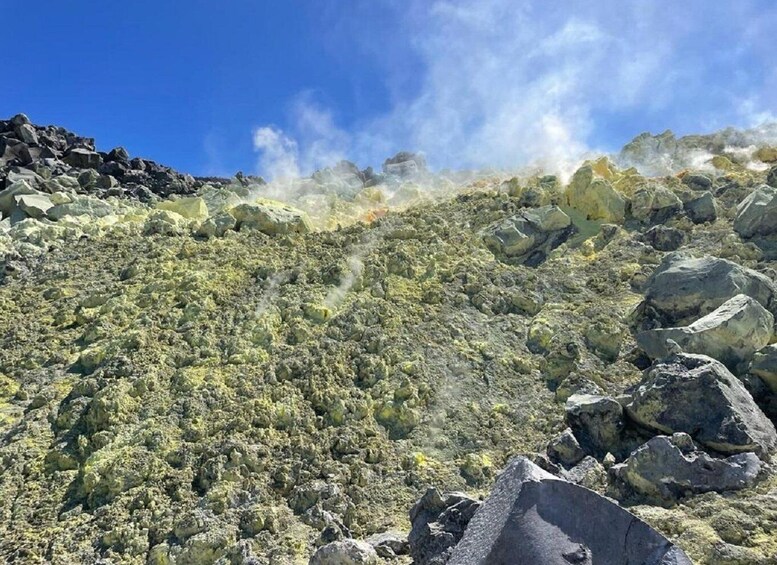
<point x="534" y="518"/>
<point x="53" y="152"/>
<point x="666" y="469"/>
<point x="697" y="395"/>
<point x="731" y="333"/>
<point x="405" y="164"/>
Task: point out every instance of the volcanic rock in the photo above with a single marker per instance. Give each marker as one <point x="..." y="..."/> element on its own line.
<point x="345" y="552"/>
<point x="595" y="197"/>
<point x="764" y="365"/>
<point x="534" y="518"/>
<point x="732" y="333"/>
<point x="666" y="469"/>
<point x="530" y="235"/>
<point x="702" y="209"/>
<point x="270" y="217"/>
<point x="438" y="524"/>
<point x="664" y="238"/>
<point x="697" y="395"/>
<point x="683" y="287"/>
<point x="596" y="421"/>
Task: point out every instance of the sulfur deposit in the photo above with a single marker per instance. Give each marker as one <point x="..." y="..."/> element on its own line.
<point x="193" y="371"/>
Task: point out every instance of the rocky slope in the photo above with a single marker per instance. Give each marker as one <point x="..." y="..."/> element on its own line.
<point x="193" y="372"/>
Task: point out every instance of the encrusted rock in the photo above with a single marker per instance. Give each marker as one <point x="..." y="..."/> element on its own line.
<point x="389" y="545"/>
<point x="732" y="333"/>
<point x="702" y="209"/>
<point x="588" y="473"/>
<point x="193" y="208"/>
<point x="217" y="225"/>
<point x="532" y="518"/>
<point x="697" y="395"/>
<point x="764" y="365"/>
<point x="565" y="449"/>
<point x="529" y="235"/>
<point x="666" y="469"/>
<point x="696" y="181"/>
<point x="595" y="196"/>
<point x="34" y="205"/>
<point x="664" y="238"/>
<point x="271" y="217"/>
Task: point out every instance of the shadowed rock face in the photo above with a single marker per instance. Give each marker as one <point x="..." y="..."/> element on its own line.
<point x="533" y="518"/>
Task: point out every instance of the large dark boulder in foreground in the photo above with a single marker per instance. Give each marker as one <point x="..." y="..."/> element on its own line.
<point x="697" y="395"/>
<point x="666" y="469"/>
<point x="683" y="288"/>
<point x="534" y="518"/>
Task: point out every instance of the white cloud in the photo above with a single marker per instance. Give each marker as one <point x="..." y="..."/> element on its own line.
<point x="505" y="83"/>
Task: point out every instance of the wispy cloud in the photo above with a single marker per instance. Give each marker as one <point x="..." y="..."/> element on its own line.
<point x="507" y="83"/>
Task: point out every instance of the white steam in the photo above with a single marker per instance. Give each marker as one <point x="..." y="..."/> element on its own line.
<point x="507" y="84"/>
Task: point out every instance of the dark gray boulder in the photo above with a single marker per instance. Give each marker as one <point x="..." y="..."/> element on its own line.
<point x="596" y="421"/>
<point x="438" y="522"/>
<point x="771" y="177"/>
<point x="664" y="238"/>
<point x="683" y="288"/>
<point x="534" y="518"/>
<point x="696" y="181"/>
<point x="565" y="449"/>
<point x="666" y="469"/>
<point x="764" y="365"/>
<point x="118" y="154"/>
<point x="83" y="159"/>
<point x="702" y="209"/>
<point x="757" y="213"/>
<point x="732" y="333"/>
<point x="697" y="395"/>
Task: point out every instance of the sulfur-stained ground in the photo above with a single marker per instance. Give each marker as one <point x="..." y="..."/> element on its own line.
<point x="169" y="399"/>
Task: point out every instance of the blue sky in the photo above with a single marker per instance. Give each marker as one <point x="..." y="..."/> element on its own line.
<point x="285" y="87"/>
